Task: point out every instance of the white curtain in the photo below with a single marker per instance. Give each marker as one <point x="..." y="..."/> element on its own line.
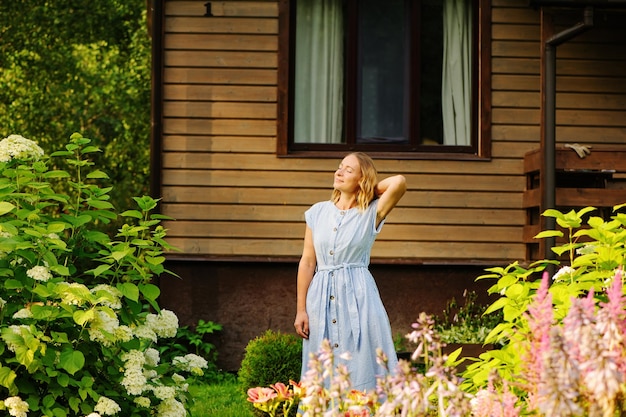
<point x="456" y="88"/>
<point x="318" y="109"/>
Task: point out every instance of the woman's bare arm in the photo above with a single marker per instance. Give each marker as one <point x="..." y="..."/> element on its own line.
<point x="306" y="270"/>
<point x="389" y="192"/>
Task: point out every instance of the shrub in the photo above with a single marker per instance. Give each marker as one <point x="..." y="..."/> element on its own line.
<point x="271" y="357"/>
<point x="79" y="320"/>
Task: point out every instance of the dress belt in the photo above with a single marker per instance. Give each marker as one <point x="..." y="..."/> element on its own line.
<point x="341" y="266"/>
<point x="353" y="308"/>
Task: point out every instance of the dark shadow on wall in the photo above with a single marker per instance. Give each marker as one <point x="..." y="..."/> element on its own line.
<point x="248" y="298"/>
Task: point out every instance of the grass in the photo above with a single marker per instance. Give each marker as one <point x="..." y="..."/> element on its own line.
<point x="222" y="399"/>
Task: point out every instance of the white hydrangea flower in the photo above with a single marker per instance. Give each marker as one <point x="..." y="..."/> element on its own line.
<point x="152" y="357"/>
<point x="109" y="296"/>
<point x="16" y="406"/>
<point x="164" y="324"/>
<point x="171" y="408"/>
<point x="103" y="328"/>
<point x="143" y="402"/>
<point x="133" y="359"/>
<point x="563" y="273"/>
<point x="23" y="313"/>
<point x="145" y="332"/>
<point x="134" y="381"/>
<point x="123" y="333"/>
<point x="94" y="415"/>
<point x="39" y="273"/>
<point x="190" y="363"/>
<point x="164" y="393"/>
<point x="107" y="406"/>
<point x="18" y="147"/>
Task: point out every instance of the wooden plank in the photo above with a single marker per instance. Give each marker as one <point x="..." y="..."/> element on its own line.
<point x="266" y="26"/>
<point x="593" y="103"/>
<point x="516" y="133"/>
<point x="295" y="230"/>
<point x="514" y="82"/>
<point x="516" y="99"/>
<point x="260" y="195"/>
<point x="248" y="76"/>
<point x="513" y="149"/>
<point x="591" y="118"/>
<point x="241" y="127"/>
<point x="452" y="182"/>
<point x="519" y="15"/>
<point x="594" y="197"/>
<point x="516" y="49"/>
<point x="220" y="59"/>
<point x="520" y="66"/>
<point x="390" y="250"/>
<point x="227" y="42"/>
<point x="218" y="93"/>
<point x="593" y="134"/>
<point x="259" y="162"/>
<point x="219" y="110"/>
<point x="515" y="116"/>
<point x="597" y="68"/>
<point x="515" y="32"/>
<point x="202" y="143"/>
<point x="273" y="213"/>
<point x="583" y="84"/>
<point x="221" y="8"/>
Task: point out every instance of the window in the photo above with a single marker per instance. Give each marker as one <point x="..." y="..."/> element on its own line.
<point x="399" y="77"/>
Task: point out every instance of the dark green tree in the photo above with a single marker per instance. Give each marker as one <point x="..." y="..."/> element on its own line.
<point x="80" y="66"/>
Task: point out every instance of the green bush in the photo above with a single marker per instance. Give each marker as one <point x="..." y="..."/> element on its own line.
<point x="80" y="325"/>
<point x="269" y="358"/>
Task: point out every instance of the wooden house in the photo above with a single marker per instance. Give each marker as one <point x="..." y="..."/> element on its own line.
<point x="255" y="102"/>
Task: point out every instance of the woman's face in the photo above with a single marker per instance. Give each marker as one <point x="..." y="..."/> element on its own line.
<point x="348" y="175"/>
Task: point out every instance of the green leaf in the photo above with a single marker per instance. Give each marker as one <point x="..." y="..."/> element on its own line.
<point x="56" y="174"/>
<point x="100" y="269"/>
<point x="99" y="204"/>
<point x="549" y="233"/>
<point x="89" y="149"/>
<point x="132" y="213"/>
<point x="5" y="207"/>
<point x="149" y="291"/>
<point x="60" y="270"/>
<point x="81" y="317"/>
<point x="13" y="284"/>
<point x="63" y="380"/>
<point x="97" y="174"/>
<point x="7" y="376"/>
<point x="72" y="360"/>
<point x="129" y="290"/>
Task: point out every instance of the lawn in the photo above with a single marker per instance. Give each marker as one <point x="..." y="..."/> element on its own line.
<point x="223" y="399"/>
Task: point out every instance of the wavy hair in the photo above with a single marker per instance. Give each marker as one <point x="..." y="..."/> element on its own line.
<point x="367" y="184"/>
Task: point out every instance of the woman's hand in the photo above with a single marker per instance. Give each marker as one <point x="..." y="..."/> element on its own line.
<point x="302" y="324"/>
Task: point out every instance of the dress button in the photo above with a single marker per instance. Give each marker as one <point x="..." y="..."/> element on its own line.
<point x="334" y="321"/>
<point x="334" y="229"/>
<point x="332" y="274"/>
<point x="332" y="297"/>
<point x="343" y="212"/>
<point x="336" y="345"/>
<point x="331" y="253"/>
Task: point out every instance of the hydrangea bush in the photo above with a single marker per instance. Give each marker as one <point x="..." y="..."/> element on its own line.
<point x="80" y="324"/>
<point x="563" y="354"/>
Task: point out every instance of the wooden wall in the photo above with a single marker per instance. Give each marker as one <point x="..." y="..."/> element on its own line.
<point x="233" y="198"/>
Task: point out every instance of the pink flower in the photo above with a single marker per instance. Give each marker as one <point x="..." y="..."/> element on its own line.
<point x="282" y="391"/>
<point x="261" y="395"/>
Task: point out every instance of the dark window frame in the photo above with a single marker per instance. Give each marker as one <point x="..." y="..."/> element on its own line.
<point x="481" y="107"/>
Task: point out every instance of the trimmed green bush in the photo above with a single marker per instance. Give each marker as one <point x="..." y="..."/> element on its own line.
<point x="270" y="358"/>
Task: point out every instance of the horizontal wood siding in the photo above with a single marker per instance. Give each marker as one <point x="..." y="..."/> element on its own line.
<point x="233" y="197"/>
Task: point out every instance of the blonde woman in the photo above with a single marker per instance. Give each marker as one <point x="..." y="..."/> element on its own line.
<point x="337" y="297"/>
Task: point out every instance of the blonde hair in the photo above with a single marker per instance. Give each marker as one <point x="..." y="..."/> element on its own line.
<point x="367" y="184"/>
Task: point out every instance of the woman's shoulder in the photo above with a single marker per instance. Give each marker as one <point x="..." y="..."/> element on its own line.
<point x="320" y="206"/>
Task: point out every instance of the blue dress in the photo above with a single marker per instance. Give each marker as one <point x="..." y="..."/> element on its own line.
<point x="343" y="302"/>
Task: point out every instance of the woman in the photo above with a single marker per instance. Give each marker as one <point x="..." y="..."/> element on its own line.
<point x="337" y="297"/>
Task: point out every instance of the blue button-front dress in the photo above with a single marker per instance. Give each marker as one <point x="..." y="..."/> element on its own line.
<point x="343" y="302"/>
